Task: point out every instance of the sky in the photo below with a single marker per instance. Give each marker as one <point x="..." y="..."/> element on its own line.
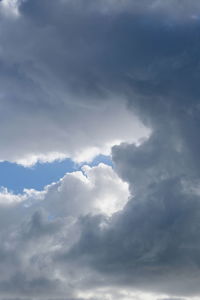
<point x="17" y="177"/>
<point x="99" y="150"/>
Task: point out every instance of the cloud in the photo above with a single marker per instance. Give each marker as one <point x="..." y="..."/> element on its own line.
<point x="53" y="91"/>
<point x="46" y="112"/>
<point x="36" y="226"/>
<point x="153" y="244"/>
<point x="88" y="77"/>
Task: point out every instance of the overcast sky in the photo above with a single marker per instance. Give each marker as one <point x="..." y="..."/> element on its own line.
<point x="99" y="150"/>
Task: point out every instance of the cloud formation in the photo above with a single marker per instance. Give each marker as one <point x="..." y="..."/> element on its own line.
<point x="77" y="79"/>
<point x="36" y="226"/>
<point x="46" y="112"/>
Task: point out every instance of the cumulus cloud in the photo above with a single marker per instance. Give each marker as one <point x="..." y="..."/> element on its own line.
<point x="36" y="226"/>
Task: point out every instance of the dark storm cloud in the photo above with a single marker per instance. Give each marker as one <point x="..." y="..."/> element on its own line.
<point x="145" y="51"/>
<point x="45" y="100"/>
<point x="146" y="56"/>
<point x="154" y="243"/>
<point x="148" y="53"/>
<point x="140" y="49"/>
<point x="153" y="60"/>
<point x="66" y="55"/>
<point x="88" y="50"/>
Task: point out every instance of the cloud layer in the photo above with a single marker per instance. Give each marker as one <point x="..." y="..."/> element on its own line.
<point x="46" y="112"/>
<point x="75" y="80"/>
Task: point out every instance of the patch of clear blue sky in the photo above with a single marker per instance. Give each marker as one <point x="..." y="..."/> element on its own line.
<point x="16" y="177"/>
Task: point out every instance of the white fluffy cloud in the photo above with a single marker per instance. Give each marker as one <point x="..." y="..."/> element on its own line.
<point x="94" y="190"/>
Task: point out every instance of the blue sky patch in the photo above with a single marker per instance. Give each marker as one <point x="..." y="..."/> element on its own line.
<point x="16" y="177"/>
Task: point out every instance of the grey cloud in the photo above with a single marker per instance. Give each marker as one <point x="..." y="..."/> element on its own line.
<point x="155" y="239"/>
<point x="68" y="70"/>
<point x="44" y="103"/>
<point x="38" y="226"/>
<point x="172" y="299"/>
<point x="150" y="57"/>
<point x="119" y="47"/>
<point x="154" y="243"/>
<point x="63" y="81"/>
<point x="145" y="57"/>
